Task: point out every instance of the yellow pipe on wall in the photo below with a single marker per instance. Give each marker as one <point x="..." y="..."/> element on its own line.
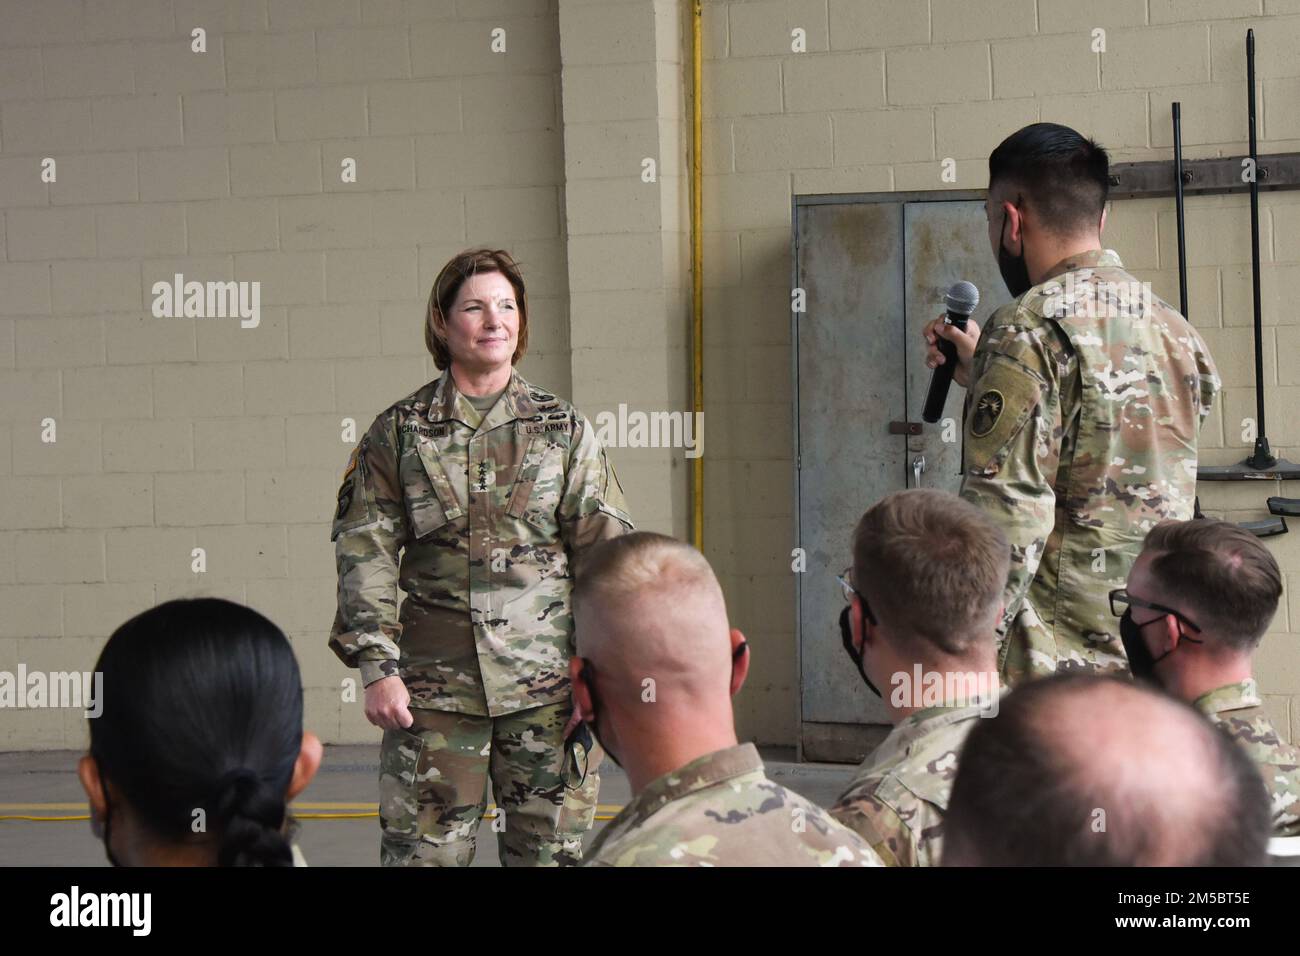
<point x="697" y="275"/>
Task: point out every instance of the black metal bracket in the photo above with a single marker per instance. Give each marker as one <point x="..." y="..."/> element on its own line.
<point x="1267" y="528"/>
<point x="1203" y="177"/>
<point x="1280" y="469"/>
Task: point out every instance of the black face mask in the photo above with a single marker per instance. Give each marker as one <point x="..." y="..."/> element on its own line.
<point x="582" y="740"/>
<point x="1140" y="659"/>
<point x="1014" y="271"/>
<point x="577" y="752"/>
<point x="855" y="655"/>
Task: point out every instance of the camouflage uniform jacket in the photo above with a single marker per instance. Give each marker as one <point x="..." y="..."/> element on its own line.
<point x="898" y="797"/>
<point x="1238" y="709"/>
<point x="1081" y="434"/>
<point x="721" y="810"/>
<point x="478" y="525"/>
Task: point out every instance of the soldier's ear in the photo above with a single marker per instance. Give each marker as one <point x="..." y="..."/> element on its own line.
<point x="1014" y="226"/>
<point x="1170" y="634"/>
<point x="581" y="692"/>
<point x="739" y="660"/>
<point x="305" y="767"/>
<point x="858" y="624"/>
<point x="93" y="784"/>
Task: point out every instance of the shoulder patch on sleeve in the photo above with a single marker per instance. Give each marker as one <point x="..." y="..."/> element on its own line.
<point x="1001" y="402"/>
<point x="988" y="409"/>
<point x="355" y="505"/>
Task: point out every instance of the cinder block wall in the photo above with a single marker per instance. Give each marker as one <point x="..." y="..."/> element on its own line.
<point x="177" y="433"/>
<point x="174" y="433"/>
<point x="885" y="92"/>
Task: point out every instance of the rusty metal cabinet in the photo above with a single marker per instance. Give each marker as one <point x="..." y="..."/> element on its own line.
<point x="873" y="269"/>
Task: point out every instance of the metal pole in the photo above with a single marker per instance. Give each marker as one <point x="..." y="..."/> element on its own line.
<point x="1262" y="458"/>
<point x="1178" y="205"/>
<point x="697" y="267"/>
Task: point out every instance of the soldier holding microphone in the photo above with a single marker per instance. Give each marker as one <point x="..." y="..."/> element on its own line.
<point x="1085" y="398"/>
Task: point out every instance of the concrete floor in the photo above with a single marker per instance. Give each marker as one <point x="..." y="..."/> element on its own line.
<point x="45" y="784"/>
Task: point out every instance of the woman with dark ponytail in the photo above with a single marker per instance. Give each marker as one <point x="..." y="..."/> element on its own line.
<point x="200" y="745"/>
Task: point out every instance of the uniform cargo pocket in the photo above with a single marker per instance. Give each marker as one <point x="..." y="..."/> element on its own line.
<point x="399" y="798"/>
<point x="430" y="500"/>
<point x="538" y="487"/>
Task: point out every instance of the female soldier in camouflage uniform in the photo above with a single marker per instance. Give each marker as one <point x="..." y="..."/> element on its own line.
<point x="474" y="495"/>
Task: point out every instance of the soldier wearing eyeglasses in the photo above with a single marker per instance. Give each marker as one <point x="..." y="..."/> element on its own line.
<point x="924" y="596"/>
<point x="1199" y="599"/>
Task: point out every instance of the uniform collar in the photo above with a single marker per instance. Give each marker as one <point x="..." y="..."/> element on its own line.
<point x="449" y="404"/>
<point x="1090" y="259"/>
<point x="1234" y="696"/>
<point x="921" y="722"/>
<point x="700" y="774"/>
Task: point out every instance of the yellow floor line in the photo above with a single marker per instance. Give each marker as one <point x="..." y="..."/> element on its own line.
<point x="361" y="811"/>
<point x="298" y="816"/>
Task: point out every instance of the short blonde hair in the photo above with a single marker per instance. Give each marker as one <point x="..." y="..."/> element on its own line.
<point x="447" y="285"/>
<point x="630" y="563"/>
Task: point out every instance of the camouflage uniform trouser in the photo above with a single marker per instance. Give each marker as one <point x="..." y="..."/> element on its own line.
<point x="1031" y="650"/>
<point x="433" y="789"/>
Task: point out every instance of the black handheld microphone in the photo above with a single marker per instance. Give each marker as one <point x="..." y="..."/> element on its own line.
<point x="961" y="300"/>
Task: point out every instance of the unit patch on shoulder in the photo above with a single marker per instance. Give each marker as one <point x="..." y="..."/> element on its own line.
<point x="355" y="501"/>
<point x="1003" y="399"/>
<point x="345" y="502"/>
<point x="987" y="412"/>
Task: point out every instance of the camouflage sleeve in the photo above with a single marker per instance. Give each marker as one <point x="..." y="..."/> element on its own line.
<point x="369" y="532"/>
<point x="1210" y="382"/>
<point x="592" y="506"/>
<point x="1012" y="448"/>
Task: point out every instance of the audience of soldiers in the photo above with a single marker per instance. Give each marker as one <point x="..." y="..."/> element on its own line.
<point x="1180" y="767"/>
<point x="1152" y="783"/>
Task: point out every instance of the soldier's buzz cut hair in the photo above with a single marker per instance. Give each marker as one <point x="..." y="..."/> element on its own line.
<point x="1026" y="794"/>
<point x="622" y="566"/>
<point x="1221" y="575"/>
<point x="1059" y="173"/>
<point x="447" y="285"/>
<point x="932" y="565"/>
